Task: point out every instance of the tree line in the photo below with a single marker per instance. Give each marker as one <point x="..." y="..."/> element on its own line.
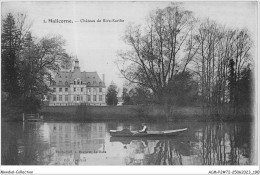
<point x="28" y="63"/>
<point x="177" y="59"/>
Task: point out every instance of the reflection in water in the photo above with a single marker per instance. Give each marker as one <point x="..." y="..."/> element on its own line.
<point x="225" y="144"/>
<point x="70" y="141"/>
<point x="166" y="151"/>
<point x="204" y="143"/>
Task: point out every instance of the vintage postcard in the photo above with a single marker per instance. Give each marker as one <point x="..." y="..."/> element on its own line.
<point x="153" y="87"/>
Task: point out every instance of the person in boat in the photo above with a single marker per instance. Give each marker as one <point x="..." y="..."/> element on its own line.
<point x="144" y="130"/>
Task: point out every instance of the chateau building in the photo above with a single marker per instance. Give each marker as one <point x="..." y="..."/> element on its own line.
<point x="75" y="87"/>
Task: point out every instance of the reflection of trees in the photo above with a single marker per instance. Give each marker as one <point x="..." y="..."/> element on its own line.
<point x="167" y="152"/>
<point x="159" y="152"/>
<point x="9" y="146"/>
<point x="222" y="144"/>
<point x="32" y="151"/>
<point x="24" y="147"/>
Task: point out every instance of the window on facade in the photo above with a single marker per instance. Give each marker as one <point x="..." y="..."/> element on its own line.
<point x="74" y="82"/>
<point x="60" y="97"/>
<point x="54" y="98"/>
<point x="78" y="98"/>
<point x="81" y="89"/>
<point x="60" y="89"/>
<point x="88" y="84"/>
<point x="100" y="89"/>
<point x="89" y="90"/>
<point x="66" y="98"/>
<point x="89" y="98"/>
<point x="60" y="82"/>
<point x="74" y="89"/>
<point x="94" y="98"/>
<point x="66" y="89"/>
<point x="100" y="83"/>
<point x="100" y="98"/>
<point x="78" y="81"/>
<point x="95" y="90"/>
<point x="66" y="83"/>
<point x="81" y="82"/>
<point x="81" y="98"/>
<point x="54" y="83"/>
<point x="74" y="98"/>
<point x="54" y="89"/>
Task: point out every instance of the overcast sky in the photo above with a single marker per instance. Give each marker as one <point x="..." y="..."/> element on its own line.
<point x="96" y="44"/>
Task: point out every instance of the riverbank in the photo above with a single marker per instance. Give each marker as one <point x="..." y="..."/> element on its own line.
<point x="142" y="113"/>
<point x="139" y="113"/>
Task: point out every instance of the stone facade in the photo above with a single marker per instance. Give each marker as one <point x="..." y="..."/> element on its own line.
<point x="76" y="87"/>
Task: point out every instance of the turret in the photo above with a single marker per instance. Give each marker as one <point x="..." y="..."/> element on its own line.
<point x="76" y="66"/>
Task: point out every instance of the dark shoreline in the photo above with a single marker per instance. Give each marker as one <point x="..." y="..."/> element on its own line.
<point x="140" y="113"/>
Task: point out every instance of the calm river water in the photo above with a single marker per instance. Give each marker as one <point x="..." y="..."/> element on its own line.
<point x="64" y="143"/>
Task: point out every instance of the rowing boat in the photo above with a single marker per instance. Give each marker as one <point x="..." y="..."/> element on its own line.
<point x="128" y="133"/>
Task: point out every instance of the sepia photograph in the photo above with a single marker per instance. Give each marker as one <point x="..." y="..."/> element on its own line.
<point x="135" y="83"/>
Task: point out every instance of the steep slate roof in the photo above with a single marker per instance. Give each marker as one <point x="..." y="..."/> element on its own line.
<point x="89" y="78"/>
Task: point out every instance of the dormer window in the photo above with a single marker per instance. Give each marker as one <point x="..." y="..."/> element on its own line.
<point x="78" y="82"/>
<point x="88" y="84"/>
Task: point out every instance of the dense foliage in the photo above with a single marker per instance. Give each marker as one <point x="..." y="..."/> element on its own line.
<point x="28" y="63"/>
<point x="126" y="97"/>
<point x="181" y="60"/>
<point x="111" y="96"/>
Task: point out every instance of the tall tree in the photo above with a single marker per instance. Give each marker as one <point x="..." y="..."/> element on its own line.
<point x="11" y="41"/>
<point x="111" y="96"/>
<point x="245" y="88"/>
<point x="207" y="39"/>
<point x="156" y="49"/>
<point x="232" y="81"/>
<point x="27" y="65"/>
<point x="222" y="55"/>
<point x="126" y="98"/>
<point x="39" y="60"/>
